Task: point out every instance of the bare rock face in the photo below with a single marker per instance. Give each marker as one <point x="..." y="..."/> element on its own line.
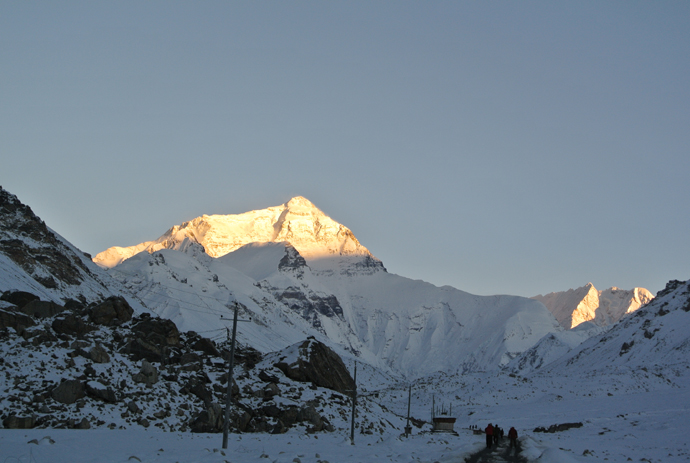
<point x="318" y="364"/>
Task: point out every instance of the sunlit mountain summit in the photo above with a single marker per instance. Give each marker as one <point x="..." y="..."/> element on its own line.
<point x="319" y="239"/>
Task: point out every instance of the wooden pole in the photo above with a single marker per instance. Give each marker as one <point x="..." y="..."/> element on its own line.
<point x="354" y="405"/>
<point x="408" y="429"/>
<point x="226" y="423"/>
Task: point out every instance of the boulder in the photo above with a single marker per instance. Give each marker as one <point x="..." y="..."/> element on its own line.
<point x="318" y="364"/>
<point x="148" y="374"/>
<point x="199" y="389"/>
<point x="152" y="339"/>
<point x="99" y="391"/>
<point x="18" y="298"/>
<point x="209" y="420"/>
<point x="42" y="309"/>
<point x="71" y="324"/>
<point x="68" y="391"/>
<point x="158" y="331"/>
<point x="112" y="312"/>
<point x="206" y="346"/>
<point x="83" y="424"/>
<point x="19" y="422"/>
<point x="98" y="354"/>
<point x="15" y="320"/>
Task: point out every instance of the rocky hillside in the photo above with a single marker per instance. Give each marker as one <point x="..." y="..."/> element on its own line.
<point x="98" y="365"/>
<point x="35" y="259"/>
<point x="587" y="304"/>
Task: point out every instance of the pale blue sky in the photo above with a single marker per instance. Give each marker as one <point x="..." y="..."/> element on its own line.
<point x="498" y="147"/>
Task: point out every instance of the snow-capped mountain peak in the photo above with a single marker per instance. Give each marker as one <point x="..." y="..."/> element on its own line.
<point x="318" y="238"/>
<point x="586" y="303"/>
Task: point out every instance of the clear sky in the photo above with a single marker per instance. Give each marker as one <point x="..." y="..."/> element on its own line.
<point x="498" y="147"/>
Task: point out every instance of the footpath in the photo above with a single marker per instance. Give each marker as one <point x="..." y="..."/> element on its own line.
<point x="498" y="453"/>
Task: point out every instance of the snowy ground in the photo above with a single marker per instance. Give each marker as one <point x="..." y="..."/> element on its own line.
<point x="638" y="426"/>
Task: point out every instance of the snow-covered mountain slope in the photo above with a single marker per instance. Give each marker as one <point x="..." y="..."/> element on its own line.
<point x="553" y="346"/>
<point x="316" y="236"/>
<point x="307" y="275"/>
<point x="35" y="259"/>
<point x="655" y="337"/>
<point x="586" y="303"/>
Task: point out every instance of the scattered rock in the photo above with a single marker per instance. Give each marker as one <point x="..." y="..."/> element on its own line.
<point x="558" y="427"/>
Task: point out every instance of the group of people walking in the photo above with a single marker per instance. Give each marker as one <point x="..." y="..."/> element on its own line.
<point x="495" y="433"/>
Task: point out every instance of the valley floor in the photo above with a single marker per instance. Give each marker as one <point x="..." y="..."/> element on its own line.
<point x="645" y="426"/>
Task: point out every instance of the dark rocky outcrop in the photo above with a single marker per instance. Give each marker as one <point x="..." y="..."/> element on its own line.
<point x="151" y="339"/>
<point x="113" y="311"/>
<point x="41" y="309"/>
<point x="19" y="422"/>
<point x="18" y="298"/>
<point x="100" y="392"/>
<point x="318" y="364"/>
<point x="69" y="391"/>
<point x="69" y="323"/>
<point x="15" y="320"/>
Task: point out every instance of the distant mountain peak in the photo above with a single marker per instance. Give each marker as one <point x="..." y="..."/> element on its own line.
<point x="586" y="303"/>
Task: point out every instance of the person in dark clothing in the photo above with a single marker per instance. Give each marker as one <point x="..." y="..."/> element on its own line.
<point x="497" y="433"/>
<point x="512" y="435"/>
<point x="489" y="435"/>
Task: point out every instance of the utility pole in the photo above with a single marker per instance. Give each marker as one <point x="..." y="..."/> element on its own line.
<point x="354" y="406"/>
<point x="226" y="423"/>
<point x="408" y="428"/>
